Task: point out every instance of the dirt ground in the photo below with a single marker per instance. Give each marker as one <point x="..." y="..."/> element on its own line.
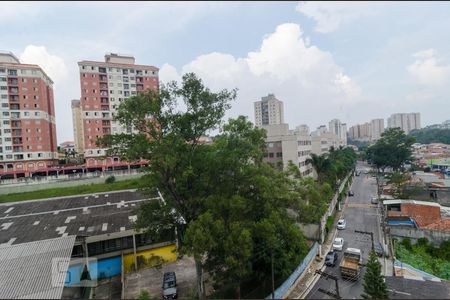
<point x="151" y="279"/>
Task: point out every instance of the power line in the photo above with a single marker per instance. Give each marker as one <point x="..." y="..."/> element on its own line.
<point x="327" y="292"/>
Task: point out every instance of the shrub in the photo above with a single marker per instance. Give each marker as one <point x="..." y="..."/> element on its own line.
<point x="110" y="179"/>
<point x="422" y="242"/>
<point x="144" y="295"/>
<point x="406" y="242"/>
<point x="427" y="169"/>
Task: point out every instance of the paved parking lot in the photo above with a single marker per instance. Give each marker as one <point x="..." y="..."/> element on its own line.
<point x="151" y="279"/>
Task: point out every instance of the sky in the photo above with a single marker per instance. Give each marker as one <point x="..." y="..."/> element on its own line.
<point x="354" y="61"/>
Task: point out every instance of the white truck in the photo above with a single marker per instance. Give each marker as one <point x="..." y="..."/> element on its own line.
<point x="350" y="265"/>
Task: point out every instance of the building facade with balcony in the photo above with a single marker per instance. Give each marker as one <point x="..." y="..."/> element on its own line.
<point x="27" y="119"/>
<point x="104" y="86"/>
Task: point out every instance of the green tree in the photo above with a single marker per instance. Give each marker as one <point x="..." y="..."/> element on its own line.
<point x="169" y="139"/>
<point x="393" y="149"/>
<point x="374" y="285"/>
<point x="431" y="135"/>
<point x="321" y="164"/>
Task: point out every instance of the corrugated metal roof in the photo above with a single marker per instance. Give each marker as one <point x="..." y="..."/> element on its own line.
<point x="26" y="270"/>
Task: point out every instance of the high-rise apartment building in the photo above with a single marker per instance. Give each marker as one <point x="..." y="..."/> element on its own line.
<point x="339" y="130"/>
<point x="269" y="111"/>
<point x="77" y="120"/>
<point x="27" y="119"/>
<point x="104" y="85"/>
<point x="405" y="121"/>
<point x="377" y="128"/>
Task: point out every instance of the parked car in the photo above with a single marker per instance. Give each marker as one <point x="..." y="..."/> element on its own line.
<point x="338" y="244"/>
<point x="350" y="193"/>
<point x="169" y="285"/>
<point x="341" y="224"/>
<point x="378" y="249"/>
<point x="331" y="258"/>
<point x="374" y="200"/>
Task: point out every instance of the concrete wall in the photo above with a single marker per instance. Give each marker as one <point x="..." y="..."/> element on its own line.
<point x="21" y="188"/>
<point x="310" y="231"/>
<point x="150" y="258"/>
<point x="434" y="236"/>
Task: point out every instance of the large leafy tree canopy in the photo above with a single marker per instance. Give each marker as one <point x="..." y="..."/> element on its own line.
<point x="393" y="149"/>
<point x="233" y="204"/>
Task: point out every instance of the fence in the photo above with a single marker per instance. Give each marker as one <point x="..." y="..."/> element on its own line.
<point x="287" y="284"/>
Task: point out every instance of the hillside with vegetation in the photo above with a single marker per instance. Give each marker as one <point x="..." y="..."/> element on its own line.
<point x="431" y="135"/>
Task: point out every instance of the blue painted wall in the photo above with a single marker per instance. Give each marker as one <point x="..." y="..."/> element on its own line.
<point x="102" y="268"/>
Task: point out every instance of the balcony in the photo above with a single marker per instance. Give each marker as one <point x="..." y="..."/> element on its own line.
<point x="16" y="124"/>
<point x="103" y="93"/>
<point x="17" y="132"/>
<point x="14" y="90"/>
<point x="13" y="98"/>
<point x="102" y="70"/>
<point x="18" y="149"/>
<point x="105" y="115"/>
<point x="12" y="72"/>
<point x="105" y="107"/>
<point x="17" y="141"/>
<point x="103" y="78"/>
<point x="18" y="157"/>
<point x="106" y="131"/>
<point x="13" y="81"/>
<point x="15" y="115"/>
<point x="104" y="100"/>
<point x="106" y="123"/>
<point x="103" y="86"/>
<point x="14" y="106"/>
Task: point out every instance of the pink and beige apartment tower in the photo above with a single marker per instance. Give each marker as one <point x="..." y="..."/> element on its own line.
<point x="104" y="85"/>
<point x="27" y="119"/>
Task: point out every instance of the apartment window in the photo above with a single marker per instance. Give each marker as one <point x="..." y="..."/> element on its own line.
<point x="85" y="83"/>
<point x="2" y="70"/>
<point x="4" y="96"/>
<point x="26" y="105"/>
<point x="28" y="130"/>
<point x="111" y="92"/>
<point x="83" y="67"/>
<point x="35" y="89"/>
<point x="24" y="80"/>
<point x="39" y="138"/>
<point x="85" y="91"/>
<point x="39" y="154"/>
<point x="7" y="130"/>
<point x="37" y="114"/>
<point x="5" y="113"/>
<point x="36" y="105"/>
<point x="87" y="114"/>
<point x="38" y="130"/>
<point x="29" y="155"/>
<point x="35" y="97"/>
<point x="279" y="154"/>
<point x="24" y="88"/>
<point x="7" y="140"/>
<point x="6" y="122"/>
<point x="111" y="84"/>
<point x="94" y="91"/>
<point x="5" y="105"/>
<point x="271" y="155"/>
<point x="37" y="122"/>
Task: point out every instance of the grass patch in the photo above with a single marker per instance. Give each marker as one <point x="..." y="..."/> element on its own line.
<point x="419" y="257"/>
<point x="73" y="190"/>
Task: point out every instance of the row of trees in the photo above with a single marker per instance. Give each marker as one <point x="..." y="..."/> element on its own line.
<point x="229" y="207"/>
<point x="334" y="166"/>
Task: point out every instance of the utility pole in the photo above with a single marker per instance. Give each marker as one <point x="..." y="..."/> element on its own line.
<point x="329" y="293"/>
<point x="273" y="278"/>
<point x="371" y="237"/>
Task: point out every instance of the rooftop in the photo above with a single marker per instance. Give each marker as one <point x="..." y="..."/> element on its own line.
<point x="408" y="288"/>
<point x="87" y="215"/>
<point x="26" y="270"/>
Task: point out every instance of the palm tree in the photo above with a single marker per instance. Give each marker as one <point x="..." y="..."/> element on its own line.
<point x="320" y="163"/>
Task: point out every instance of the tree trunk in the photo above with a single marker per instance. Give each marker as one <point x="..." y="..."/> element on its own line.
<point x="238" y="292"/>
<point x="200" y="286"/>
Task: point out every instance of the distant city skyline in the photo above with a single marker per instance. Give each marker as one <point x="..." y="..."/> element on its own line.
<point x="347" y="60"/>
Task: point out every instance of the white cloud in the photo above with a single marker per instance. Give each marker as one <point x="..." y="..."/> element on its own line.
<point x="305" y="77"/>
<point x="330" y="15"/>
<point x="53" y="65"/>
<point x="428" y="70"/>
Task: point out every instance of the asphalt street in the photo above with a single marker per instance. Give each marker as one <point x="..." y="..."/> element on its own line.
<point x="360" y="215"/>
